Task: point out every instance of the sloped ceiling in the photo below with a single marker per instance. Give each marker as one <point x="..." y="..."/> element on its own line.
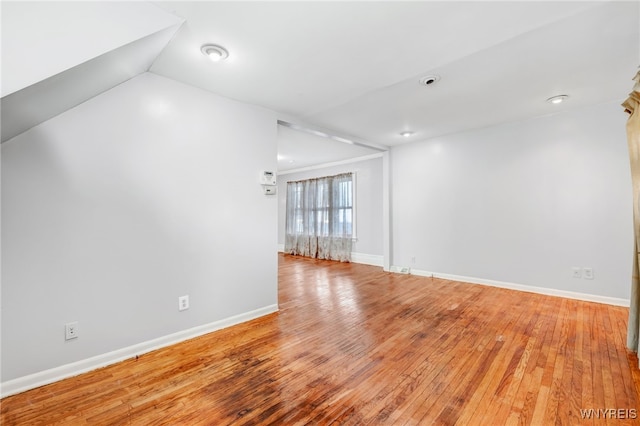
<point x="56" y="55"/>
<point x="348" y="68"/>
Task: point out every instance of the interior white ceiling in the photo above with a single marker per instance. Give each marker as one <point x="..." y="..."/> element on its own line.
<point x="353" y="67"/>
<point x="591" y="56"/>
<point x="56" y="55"/>
<point x="42" y="39"/>
<point x="25" y="108"/>
<point x="300" y="149"/>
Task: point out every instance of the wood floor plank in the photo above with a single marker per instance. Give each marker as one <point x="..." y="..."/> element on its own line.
<point x="504" y="398"/>
<point x="494" y="368"/>
<point x="557" y="383"/>
<point x="353" y="345"/>
<point x="518" y="412"/>
<point x="621" y="384"/>
<point x="407" y="396"/>
<point x="574" y="369"/>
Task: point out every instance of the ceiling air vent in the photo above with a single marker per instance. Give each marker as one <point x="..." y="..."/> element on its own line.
<point x="429" y="80"/>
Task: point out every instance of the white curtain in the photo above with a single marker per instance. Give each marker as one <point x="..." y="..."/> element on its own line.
<point x="632" y="106"/>
<point x="319" y="220"/>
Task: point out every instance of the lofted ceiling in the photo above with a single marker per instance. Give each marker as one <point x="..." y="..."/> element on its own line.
<point x="351" y="69"/>
<point x="56" y="55"/>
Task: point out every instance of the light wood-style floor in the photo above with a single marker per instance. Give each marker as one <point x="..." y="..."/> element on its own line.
<point x="355" y="345"/>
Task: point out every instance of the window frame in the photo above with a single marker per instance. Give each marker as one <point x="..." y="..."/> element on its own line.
<point x="299" y="211"/>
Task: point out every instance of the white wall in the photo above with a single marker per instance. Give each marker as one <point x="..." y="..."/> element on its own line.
<point x="114" y="209"/>
<point x="368" y="201"/>
<point x="520" y="203"/>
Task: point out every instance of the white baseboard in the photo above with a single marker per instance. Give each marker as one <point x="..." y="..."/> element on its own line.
<point x="522" y="287"/>
<point x="367" y="259"/>
<point x="42" y="378"/>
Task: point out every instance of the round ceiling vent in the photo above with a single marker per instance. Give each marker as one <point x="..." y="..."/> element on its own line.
<point x="429" y="80"/>
<point x="214" y="52"/>
<point x="558" y="99"/>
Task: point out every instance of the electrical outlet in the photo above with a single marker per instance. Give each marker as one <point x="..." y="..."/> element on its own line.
<point x="71" y="330"/>
<point x="577" y="272"/>
<point x="183" y="303"/>
<point x="587" y="273"/>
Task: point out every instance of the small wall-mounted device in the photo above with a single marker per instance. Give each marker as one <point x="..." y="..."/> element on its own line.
<point x="268" y="178"/>
<point x="268" y="182"/>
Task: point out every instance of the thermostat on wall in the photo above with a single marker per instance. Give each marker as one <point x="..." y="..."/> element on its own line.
<point x="268" y="178"/>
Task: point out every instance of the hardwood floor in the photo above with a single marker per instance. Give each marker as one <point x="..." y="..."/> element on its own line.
<point x="355" y="345"/>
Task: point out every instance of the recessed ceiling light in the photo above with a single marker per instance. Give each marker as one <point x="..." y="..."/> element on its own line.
<point x="557" y="99"/>
<point x="214" y="52"/>
<point x="406" y="134"/>
<point x="429" y="80"/>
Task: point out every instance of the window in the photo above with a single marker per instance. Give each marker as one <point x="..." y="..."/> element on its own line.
<point x="320" y="217"/>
